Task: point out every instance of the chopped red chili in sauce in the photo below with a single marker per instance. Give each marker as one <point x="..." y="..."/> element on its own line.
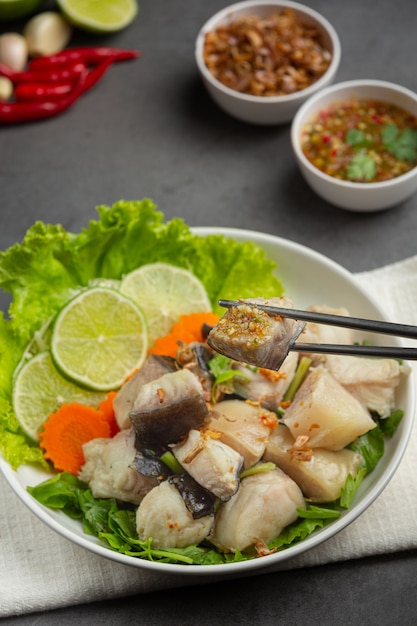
<point x="362" y="141"/>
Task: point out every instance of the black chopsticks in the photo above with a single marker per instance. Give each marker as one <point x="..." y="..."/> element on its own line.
<point x="356" y="323"/>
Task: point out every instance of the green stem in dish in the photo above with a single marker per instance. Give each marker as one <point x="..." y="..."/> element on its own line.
<point x="300" y="374"/>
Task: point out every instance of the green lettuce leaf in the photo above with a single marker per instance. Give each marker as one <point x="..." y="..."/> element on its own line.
<point x="51" y="264"/>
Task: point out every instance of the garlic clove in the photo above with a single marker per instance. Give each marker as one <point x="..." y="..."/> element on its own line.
<point x="47" y="33"/>
<point x="13" y="51"/>
<point x="6" y="89"/>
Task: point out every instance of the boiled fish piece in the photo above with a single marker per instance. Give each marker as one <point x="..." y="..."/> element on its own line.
<point x="326" y="333"/>
<point x="372" y="381"/>
<point x="195" y="357"/>
<point x="243" y="426"/>
<point x="167" y="408"/>
<point x="154" y="367"/>
<point x="164" y="516"/>
<point x="213" y="464"/>
<point x="326" y="412"/>
<point x="265" y="504"/>
<point x="248" y="334"/>
<point x="263" y="385"/>
<point x="321" y="474"/>
<point x="108" y="469"/>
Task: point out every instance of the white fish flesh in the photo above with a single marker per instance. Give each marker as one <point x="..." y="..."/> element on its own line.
<point x="108" y="471"/>
<point x="213" y="464"/>
<point x="321" y="474"/>
<point x="248" y="334"/>
<point x="243" y="426"/>
<point x="372" y="381"/>
<point x="326" y="333"/>
<point x="265" y="504"/>
<point x="163" y="515"/>
<point x="326" y="413"/>
<point x="263" y="385"/>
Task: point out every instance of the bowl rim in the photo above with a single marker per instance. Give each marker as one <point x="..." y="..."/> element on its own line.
<point x="296" y="127"/>
<point x="286" y="98"/>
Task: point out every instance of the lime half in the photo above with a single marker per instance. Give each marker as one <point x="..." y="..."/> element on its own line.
<point x="165" y="292"/>
<point x="99" y="16"/>
<point x="39" y="390"/>
<point x="99" y="338"/>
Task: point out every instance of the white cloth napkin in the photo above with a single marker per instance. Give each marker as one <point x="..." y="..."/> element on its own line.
<point x="39" y="570"/>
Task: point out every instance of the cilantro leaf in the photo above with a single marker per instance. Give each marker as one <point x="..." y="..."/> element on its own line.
<point x="354" y="136"/>
<point x="361" y="167"/>
<point x="402" y="145"/>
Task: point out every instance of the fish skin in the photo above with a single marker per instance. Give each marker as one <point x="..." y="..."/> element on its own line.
<point x="167" y="408"/>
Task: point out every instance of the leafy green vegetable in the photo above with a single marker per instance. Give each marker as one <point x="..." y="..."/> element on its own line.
<point x="308" y="521"/>
<point x="221" y="368"/>
<point x="351" y="487"/>
<point x="390" y="424"/>
<point x="357" y="138"/>
<point x="50" y="265"/>
<point x="354" y="136"/>
<point x="402" y="144"/>
<point x="371" y="446"/>
<point x="361" y="167"/>
<point x="318" y="512"/>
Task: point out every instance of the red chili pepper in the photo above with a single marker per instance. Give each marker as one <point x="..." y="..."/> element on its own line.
<point x="19" y="112"/>
<point x="90" y="56"/>
<point x="96" y="73"/>
<point x="42" y="91"/>
<point x="71" y="72"/>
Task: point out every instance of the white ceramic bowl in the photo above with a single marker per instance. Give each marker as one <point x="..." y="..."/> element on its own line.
<point x="258" y="109"/>
<point x="354" y="196"/>
<point x="309" y="278"/>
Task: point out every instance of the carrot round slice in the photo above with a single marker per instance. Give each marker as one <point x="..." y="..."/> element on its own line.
<point x="187" y="329"/>
<point x="67" y="430"/>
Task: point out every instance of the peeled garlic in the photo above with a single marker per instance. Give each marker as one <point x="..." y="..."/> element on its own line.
<point x="6" y="89"/>
<point x="47" y="33"/>
<point x="13" y="51"/>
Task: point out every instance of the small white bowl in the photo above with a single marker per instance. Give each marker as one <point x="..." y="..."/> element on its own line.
<point x="266" y="110"/>
<point x="354" y="196"/>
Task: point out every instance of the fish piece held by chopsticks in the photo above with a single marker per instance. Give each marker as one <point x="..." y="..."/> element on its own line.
<point x="248" y="334"/>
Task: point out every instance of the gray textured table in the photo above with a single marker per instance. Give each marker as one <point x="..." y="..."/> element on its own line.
<point x="150" y="130"/>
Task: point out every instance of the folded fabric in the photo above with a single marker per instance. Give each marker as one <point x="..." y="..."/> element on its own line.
<point x="40" y="570"/>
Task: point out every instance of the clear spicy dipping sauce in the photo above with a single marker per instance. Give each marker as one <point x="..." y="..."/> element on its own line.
<point x="362" y="141"/>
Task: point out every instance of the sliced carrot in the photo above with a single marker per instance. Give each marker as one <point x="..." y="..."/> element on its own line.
<point x="106" y="407"/>
<point x="67" y="430"/>
<point x="187" y="329"/>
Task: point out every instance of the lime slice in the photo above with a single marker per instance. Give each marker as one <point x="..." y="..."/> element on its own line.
<point x="99" y="16"/>
<point x="165" y="292"/>
<point x="39" y="390"/>
<point x="13" y="9"/>
<point x="99" y="338"/>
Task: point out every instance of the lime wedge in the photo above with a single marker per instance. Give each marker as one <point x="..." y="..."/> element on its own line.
<point x="39" y="390"/>
<point x="99" y="338"/>
<point x="99" y="16"/>
<point x="165" y="292"/>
